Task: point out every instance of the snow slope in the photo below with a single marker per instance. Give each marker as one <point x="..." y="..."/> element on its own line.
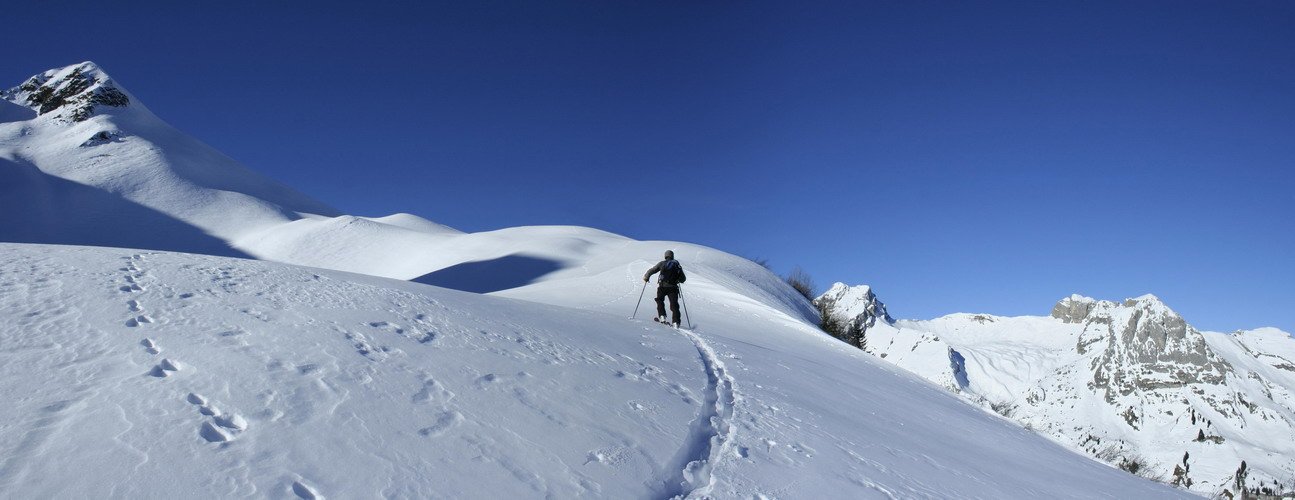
<point x="148" y="374"/>
<point x="1125" y="382"/>
<point x="84" y="145"/>
<point x="77" y="167"/>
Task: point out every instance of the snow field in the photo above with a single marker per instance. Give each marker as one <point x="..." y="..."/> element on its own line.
<point x="259" y="379"/>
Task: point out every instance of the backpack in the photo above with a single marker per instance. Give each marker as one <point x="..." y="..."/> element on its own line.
<point x="672" y="273"/>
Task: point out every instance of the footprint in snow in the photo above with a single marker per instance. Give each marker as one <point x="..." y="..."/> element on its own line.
<point x="364" y="348"/>
<point x="214" y="434"/>
<point x="383" y="325"/>
<point x="444" y="423"/>
<point x="232" y="421"/>
<point x="223" y="426"/>
<point x="420" y="337"/>
<point x="432" y="391"/>
<point x="150" y="346"/>
<point x="165" y="368"/>
<point x="305" y="492"/>
<point x="138" y="320"/>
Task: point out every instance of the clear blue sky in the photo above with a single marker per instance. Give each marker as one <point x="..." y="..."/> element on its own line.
<point x="958" y="156"/>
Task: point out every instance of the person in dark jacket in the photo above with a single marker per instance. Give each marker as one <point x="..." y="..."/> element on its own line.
<point x="667" y="286"/>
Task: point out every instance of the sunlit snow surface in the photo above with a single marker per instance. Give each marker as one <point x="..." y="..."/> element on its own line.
<point x="148" y="374"/>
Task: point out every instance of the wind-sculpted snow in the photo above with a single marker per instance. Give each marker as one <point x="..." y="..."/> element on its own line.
<point x="139" y="374"/>
<point x="226" y="377"/>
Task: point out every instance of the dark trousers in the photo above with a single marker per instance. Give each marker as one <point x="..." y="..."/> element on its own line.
<point x="668" y="291"/>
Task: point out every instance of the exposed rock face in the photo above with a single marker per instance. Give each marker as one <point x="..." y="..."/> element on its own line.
<point x="1143" y="345"/>
<point x="1169" y="387"/>
<point x="1074" y="309"/>
<point x="75" y="92"/>
<point x="855" y="306"/>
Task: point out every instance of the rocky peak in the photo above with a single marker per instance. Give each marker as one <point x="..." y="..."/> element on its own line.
<point x="1144" y="325"/>
<point x="74" y="92"/>
<point x="1141" y="344"/>
<point x="853" y="304"/>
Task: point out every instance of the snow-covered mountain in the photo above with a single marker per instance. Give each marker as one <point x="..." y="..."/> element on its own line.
<point x="1128" y="382"/>
<point x="86" y="163"/>
<point x="135" y="373"/>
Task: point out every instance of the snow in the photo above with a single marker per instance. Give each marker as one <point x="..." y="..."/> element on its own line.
<point x="1054" y="375"/>
<point x="147" y="170"/>
<point x="139" y="373"/>
<point x="415" y="223"/>
<point x="1004" y="357"/>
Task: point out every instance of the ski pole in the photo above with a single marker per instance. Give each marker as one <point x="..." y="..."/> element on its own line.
<point x="640" y="302"/>
<point x="684" y="303"/>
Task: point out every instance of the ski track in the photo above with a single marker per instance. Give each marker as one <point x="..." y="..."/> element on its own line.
<point x="629" y="276"/>
<point x="711" y="434"/>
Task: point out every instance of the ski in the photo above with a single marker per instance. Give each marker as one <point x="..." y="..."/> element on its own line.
<point x="669" y="324"/>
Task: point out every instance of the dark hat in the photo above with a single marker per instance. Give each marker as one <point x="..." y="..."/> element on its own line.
<point x="669" y="254"/>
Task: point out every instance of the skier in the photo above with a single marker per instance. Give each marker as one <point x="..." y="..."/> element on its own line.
<point x="667" y="286"/>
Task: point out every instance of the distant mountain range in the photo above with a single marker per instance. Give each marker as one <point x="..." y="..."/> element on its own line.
<point x="1130" y="383"/>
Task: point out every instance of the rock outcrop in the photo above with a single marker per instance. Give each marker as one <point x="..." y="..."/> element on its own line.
<point x="1074" y="309"/>
<point x="74" y="92"/>
<point x="1143" y="345"/>
<point x="854" y="306"/>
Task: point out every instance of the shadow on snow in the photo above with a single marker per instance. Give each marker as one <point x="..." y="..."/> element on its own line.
<point x="493" y="275"/>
